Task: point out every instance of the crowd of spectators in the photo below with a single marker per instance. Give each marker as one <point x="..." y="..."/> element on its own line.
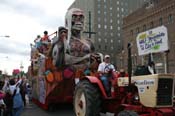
<point x="14" y="91"/>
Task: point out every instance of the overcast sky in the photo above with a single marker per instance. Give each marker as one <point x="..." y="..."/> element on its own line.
<point x="23" y="20"/>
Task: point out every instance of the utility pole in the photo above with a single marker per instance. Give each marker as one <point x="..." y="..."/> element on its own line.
<point x="90" y="30"/>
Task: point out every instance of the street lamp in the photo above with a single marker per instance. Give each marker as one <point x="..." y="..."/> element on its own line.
<point x="7" y="36"/>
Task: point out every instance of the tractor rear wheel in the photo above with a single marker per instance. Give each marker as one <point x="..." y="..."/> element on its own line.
<point x="87" y="100"/>
<point x="127" y="113"/>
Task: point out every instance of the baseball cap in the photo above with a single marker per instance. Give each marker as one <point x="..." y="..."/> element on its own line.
<point x="107" y="56"/>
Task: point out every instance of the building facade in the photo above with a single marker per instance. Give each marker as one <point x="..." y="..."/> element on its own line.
<point x="107" y="19"/>
<point x="154" y="14"/>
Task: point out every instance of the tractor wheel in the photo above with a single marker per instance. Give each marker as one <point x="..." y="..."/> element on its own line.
<point x="127" y="113"/>
<point x="87" y="99"/>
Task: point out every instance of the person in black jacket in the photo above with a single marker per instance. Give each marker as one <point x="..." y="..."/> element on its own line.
<point x="23" y="90"/>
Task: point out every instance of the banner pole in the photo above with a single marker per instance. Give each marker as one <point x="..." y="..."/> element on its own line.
<point x="165" y="63"/>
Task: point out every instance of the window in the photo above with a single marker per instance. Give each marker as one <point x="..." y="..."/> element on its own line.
<point x="111" y="14"/>
<point x="99" y="46"/>
<point x="112" y="47"/>
<point x="111" y="40"/>
<point x="99" y="26"/>
<point x="110" y="8"/>
<point x="118" y="34"/>
<point x="98" y="6"/>
<point x="131" y="32"/>
<point x="105" y="33"/>
<point x="111" y="27"/>
<point x="122" y="9"/>
<point x="137" y="30"/>
<point x="105" y="20"/>
<point x="117" y="2"/>
<point x="99" y="19"/>
<point x="118" y="28"/>
<point x="105" y="47"/>
<point x="170" y="18"/>
<point x="99" y="39"/>
<point x="106" y="41"/>
<point x="118" y="21"/>
<point x="99" y="12"/>
<point x="144" y="27"/>
<point x="105" y="26"/>
<point x="111" y="21"/>
<point x="151" y="25"/>
<point x="161" y="21"/>
<point x="112" y="34"/>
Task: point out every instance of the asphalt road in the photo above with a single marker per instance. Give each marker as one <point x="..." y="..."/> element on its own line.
<point x="33" y="110"/>
<point x="60" y="110"/>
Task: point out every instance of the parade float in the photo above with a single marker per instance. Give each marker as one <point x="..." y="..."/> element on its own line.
<point x="56" y="70"/>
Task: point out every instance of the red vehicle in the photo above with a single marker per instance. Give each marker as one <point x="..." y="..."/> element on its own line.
<point x="146" y="95"/>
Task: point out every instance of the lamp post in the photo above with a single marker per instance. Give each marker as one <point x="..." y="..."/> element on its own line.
<point x="7" y="36"/>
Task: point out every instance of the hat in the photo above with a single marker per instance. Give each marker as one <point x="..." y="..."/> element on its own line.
<point x="61" y="29"/>
<point x="107" y="56"/>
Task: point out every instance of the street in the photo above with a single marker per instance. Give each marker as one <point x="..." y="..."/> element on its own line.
<point x="63" y="110"/>
<point x="33" y="110"/>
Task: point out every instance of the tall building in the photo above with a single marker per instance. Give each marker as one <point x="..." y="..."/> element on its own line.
<point x="106" y="17"/>
<point x="156" y="13"/>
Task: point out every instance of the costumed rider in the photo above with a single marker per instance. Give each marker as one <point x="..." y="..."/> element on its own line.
<point x="58" y="52"/>
<point x="105" y="70"/>
<point x="45" y="40"/>
<point x="37" y="42"/>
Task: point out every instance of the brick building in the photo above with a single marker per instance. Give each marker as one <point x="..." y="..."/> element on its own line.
<point x="153" y="14"/>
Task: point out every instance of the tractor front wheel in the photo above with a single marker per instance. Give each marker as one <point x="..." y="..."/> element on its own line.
<point x="87" y="100"/>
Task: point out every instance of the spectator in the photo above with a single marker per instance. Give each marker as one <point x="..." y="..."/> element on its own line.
<point x="28" y="92"/>
<point x="2" y="104"/>
<point x="105" y="70"/>
<point x="23" y="89"/>
<point x="8" y="99"/>
<point x="14" y="91"/>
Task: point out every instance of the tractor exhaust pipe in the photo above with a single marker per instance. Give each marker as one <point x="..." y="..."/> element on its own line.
<point x="129" y="63"/>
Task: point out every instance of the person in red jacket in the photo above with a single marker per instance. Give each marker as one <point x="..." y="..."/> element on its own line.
<point x="45" y="38"/>
<point x="45" y="41"/>
<point x="122" y="73"/>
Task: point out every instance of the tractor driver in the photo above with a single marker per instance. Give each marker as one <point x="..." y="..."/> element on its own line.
<point x="105" y="70"/>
